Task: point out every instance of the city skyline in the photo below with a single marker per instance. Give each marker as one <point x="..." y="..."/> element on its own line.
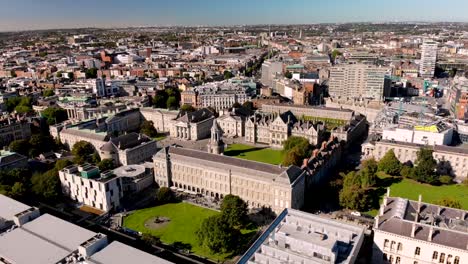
<point x="32" y="15"/>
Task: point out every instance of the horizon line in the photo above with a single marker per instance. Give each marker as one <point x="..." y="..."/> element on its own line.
<point x="235" y="25"/>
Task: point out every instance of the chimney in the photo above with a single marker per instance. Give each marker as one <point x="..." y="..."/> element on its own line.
<point x="413" y="230"/>
<point x="431" y="232"/>
<point x="376" y="222"/>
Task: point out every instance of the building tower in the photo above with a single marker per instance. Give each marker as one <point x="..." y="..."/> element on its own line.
<point x="216" y="144"/>
<point x="428" y="59"/>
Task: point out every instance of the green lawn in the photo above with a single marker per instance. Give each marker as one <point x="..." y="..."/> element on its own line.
<point x="410" y="189"/>
<point x="266" y="155"/>
<point x="160" y="136"/>
<point x="185" y="219"/>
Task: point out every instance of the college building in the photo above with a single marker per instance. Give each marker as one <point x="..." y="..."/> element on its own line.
<point x="407" y="231"/>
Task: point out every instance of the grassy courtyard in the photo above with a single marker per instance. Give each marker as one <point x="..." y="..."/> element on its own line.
<point x="265" y="155"/>
<point x="184" y="221"/>
<point x="410" y="189"/>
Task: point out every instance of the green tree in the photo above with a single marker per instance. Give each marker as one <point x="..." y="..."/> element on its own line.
<point x="54" y="115"/>
<point x="446" y="179"/>
<point x="18" y="191"/>
<point x="91" y="73"/>
<point x="449" y="202"/>
<point x="234" y="210"/>
<point x="295" y="150"/>
<point x="354" y="198"/>
<point x="390" y="164"/>
<point x="236" y="105"/>
<point x="187" y="108"/>
<point x="71" y="76"/>
<point x="60" y="164"/>
<point x="367" y="174"/>
<point x="425" y="170"/>
<point x="249" y="105"/>
<point x="227" y="75"/>
<point x="11" y="103"/>
<point x="23" y="109"/>
<point x="160" y="100"/>
<point x="172" y="102"/>
<point x="335" y="53"/>
<point x="47" y="185"/>
<point x="83" y="152"/>
<point x="294" y="156"/>
<point x="164" y="195"/>
<point x="106" y="164"/>
<point x="147" y="128"/>
<point x="20" y="146"/>
<point x="41" y="143"/>
<point x="48" y="93"/>
<point x="406" y="171"/>
<point x="217" y="235"/>
<point x="288" y="74"/>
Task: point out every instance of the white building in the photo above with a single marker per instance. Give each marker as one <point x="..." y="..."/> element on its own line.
<point x="408" y="231"/>
<point x="428" y="59"/>
<point x="438" y="134"/>
<point x="87" y="185"/>
<point x="299" y="237"/>
<point x="132" y="148"/>
<point x="47" y="239"/>
<point x="358" y="81"/>
<point x="270" y="69"/>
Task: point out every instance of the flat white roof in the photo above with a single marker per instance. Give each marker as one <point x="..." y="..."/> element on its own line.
<point x="118" y="253"/>
<point x="10" y="207"/>
<point x="58" y="231"/>
<point x="22" y="247"/>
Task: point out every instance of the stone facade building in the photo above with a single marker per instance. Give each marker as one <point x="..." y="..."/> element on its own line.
<point x="218" y="95"/>
<point x="193" y="125"/>
<point x="258" y="184"/>
<point x="309" y="111"/>
<point x="162" y="118"/>
<point x="132" y="148"/>
<point x="408" y="231"/>
<point x="274" y="129"/>
<point x="11" y="131"/>
<point x="453" y="160"/>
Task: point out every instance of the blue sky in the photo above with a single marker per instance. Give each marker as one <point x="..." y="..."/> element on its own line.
<point x="38" y="14"/>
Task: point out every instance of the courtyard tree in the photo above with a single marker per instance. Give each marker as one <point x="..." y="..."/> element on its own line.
<point x="60" y="164"/>
<point x="54" y="115"/>
<point x="46" y="185"/>
<point x="106" y="164"/>
<point x="228" y="75"/>
<point x="217" y="235"/>
<point x="425" y="170"/>
<point x="172" y="102"/>
<point x="234" y="210"/>
<point x="390" y="164"/>
<point x="48" y="93"/>
<point x="83" y="152"/>
<point x="164" y="195"/>
<point x="147" y="128"/>
<point x="187" y="108"/>
<point x="354" y="198"/>
<point x="20" y="146"/>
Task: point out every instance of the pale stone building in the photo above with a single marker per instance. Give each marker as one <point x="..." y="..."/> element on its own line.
<point x="309" y="111"/>
<point x="232" y="125"/>
<point x="258" y="184"/>
<point x="132" y="148"/>
<point x="300" y="237"/>
<point x="136" y="177"/>
<point x="274" y="129"/>
<point x="162" y="118"/>
<point x="193" y="126"/>
<point x="87" y="185"/>
<point x="14" y="130"/>
<point x="408" y="231"/>
<point x="454" y="160"/>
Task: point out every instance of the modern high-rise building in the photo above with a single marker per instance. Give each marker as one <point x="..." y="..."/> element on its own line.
<point x="358" y="80"/>
<point x="428" y="59"/>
